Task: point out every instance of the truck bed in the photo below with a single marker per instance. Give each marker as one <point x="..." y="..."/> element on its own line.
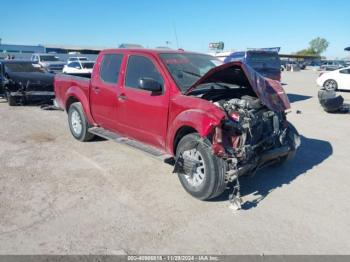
<point x="63" y="82"/>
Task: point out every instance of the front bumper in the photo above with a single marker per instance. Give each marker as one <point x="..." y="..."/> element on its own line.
<point x="285" y="151"/>
<point x="319" y="82"/>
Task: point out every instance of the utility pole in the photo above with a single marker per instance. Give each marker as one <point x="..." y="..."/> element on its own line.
<point x="177" y="41"/>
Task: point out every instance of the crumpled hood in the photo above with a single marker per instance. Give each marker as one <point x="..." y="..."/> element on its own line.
<point x="33" y="77"/>
<point x="269" y="91"/>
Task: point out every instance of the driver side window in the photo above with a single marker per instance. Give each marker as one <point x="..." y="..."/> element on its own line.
<point x="141" y="67"/>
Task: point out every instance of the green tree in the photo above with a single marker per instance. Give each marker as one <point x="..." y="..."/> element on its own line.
<point x="316" y="47"/>
<point x="319" y="45"/>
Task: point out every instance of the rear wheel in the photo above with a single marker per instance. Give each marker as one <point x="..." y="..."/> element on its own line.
<point x="330" y="85"/>
<point x="203" y="174"/>
<point x="78" y="123"/>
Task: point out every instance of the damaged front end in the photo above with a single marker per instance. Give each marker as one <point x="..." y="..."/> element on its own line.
<point x="252" y="136"/>
<point x="255" y="132"/>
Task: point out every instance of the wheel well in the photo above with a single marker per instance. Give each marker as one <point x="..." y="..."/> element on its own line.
<point x="70" y="101"/>
<point x="181" y="132"/>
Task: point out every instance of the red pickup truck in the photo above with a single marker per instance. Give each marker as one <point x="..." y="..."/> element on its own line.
<point x="217" y="121"/>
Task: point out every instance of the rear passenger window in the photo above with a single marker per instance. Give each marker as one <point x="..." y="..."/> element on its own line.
<point x="140" y="67"/>
<point x="110" y="68"/>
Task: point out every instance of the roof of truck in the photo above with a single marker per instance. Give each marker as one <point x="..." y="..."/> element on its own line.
<point x="149" y="51"/>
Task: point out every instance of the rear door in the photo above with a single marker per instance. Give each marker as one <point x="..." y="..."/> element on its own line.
<point x="103" y="89"/>
<point x="143" y="114"/>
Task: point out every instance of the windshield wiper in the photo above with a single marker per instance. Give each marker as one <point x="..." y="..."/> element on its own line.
<point x="190" y="73"/>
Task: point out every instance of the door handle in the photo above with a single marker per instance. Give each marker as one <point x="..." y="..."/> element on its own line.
<point x="122" y="97"/>
<point x="96" y="89"/>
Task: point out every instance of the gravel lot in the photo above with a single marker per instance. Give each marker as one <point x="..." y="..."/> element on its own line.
<point x="61" y="196"/>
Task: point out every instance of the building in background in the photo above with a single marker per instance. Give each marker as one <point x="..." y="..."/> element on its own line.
<point x="62" y="51"/>
<point x="20" y="51"/>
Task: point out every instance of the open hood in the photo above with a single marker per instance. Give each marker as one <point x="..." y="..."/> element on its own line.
<point x="269" y="91"/>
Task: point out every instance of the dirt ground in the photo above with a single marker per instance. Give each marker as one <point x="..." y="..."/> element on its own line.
<point x="61" y="196"/>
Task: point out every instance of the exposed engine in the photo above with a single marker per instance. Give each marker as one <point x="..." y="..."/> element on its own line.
<point x="251" y="128"/>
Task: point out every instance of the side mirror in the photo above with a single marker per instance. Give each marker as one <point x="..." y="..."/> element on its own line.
<point x="150" y="84"/>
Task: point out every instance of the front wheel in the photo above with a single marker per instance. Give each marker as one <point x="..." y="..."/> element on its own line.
<point x="203" y="174"/>
<point x="330" y="85"/>
<point x="78" y="123"/>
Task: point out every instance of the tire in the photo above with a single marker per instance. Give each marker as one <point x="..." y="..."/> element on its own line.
<point x="330" y="85"/>
<point x="12" y="101"/>
<point x="212" y="168"/>
<point x="330" y="101"/>
<point x="78" y="123"/>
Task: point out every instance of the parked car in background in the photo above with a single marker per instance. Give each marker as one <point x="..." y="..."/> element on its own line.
<point x="50" y="62"/>
<point x="335" y="80"/>
<point x="267" y="63"/>
<point x="302" y="65"/>
<point x="21" y="82"/>
<point x="77" y="58"/>
<point x="331" y="65"/>
<point x="79" y="68"/>
<point x="215" y="122"/>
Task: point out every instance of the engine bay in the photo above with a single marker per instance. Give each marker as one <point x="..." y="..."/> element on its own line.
<point x="249" y="128"/>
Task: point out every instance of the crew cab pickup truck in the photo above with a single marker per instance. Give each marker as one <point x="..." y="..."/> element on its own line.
<point x="216" y="121"/>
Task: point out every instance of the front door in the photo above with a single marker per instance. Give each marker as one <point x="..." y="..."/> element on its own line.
<point x="143" y="114"/>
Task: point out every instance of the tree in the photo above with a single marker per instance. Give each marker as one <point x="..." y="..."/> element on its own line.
<point x="319" y="45"/>
<point x="316" y="47"/>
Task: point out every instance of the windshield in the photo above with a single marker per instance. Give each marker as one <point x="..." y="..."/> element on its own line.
<point x="264" y="59"/>
<point x="187" y="68"/>
<point x="87" y="65"/>
<point x="49" y="58"/>
<point x="83" y="58"/>
<point x="21" y="67"/>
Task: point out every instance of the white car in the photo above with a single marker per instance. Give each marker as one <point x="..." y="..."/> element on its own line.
<point x="78" y="67"/>
<point x="77" y="58"/>
<point x="334" y="80"/>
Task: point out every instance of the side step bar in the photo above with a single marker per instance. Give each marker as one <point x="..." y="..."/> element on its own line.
<point x="99" y="131"/>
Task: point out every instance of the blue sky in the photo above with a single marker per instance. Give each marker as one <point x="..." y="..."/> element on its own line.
<point x="238" y="23"/>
